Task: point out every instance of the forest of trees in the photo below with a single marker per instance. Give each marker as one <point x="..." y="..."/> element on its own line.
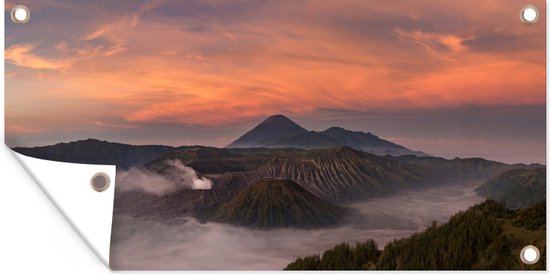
<point x="487" y="236"/>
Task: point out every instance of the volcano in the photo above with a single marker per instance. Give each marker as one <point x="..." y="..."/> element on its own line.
<point x="279" y="131"/>
<point x="275" y="203"/>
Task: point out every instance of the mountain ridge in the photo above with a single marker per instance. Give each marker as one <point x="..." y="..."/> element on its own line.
<point x="516" y="188"/>
<point x="338" y="175"/>
<point x="278" y="131"/>
<point x="95" y="151"/>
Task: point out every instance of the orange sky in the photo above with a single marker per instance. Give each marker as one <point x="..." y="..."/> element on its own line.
<point x="88" y="65"/>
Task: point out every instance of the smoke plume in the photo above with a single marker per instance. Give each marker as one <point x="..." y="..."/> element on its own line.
<point x="175" y="176"/>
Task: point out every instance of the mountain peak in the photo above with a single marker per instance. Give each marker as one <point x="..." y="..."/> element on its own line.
<point x="335" y="129"/>
<point x="339" y="130"/>
<point x="278" y="131"/>
<point x="270" y="131"/>
<point x="278" y="121"/>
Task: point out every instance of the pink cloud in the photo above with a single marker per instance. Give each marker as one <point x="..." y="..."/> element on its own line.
<point x="22" y="55"/>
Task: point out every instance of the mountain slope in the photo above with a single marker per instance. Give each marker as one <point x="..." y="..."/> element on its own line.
<point x="343" y="174"/>
<point x="517" y="188"/>
<point x="307" y="140"/>
<point x="337" y="174"/>
<point x="92" y="151"/>
<point x="280" y="132"/>
<point x="485" y="237"/>
<point x="271" y="203"/>
<point x="463" y="168"/>
<point x="269" y="132"/>
<point x="367" y="142"/>
<point x="186" y="202"/>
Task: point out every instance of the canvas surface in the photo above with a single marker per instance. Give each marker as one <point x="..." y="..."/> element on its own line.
<point x="331" y="134"/>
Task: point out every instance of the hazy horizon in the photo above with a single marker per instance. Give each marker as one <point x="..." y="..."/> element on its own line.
<point x="439" y="147"/>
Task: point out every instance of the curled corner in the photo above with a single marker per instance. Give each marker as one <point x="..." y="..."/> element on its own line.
<point x="68" y="186"/>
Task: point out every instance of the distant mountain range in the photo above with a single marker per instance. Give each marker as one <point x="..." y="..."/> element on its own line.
<point x="336" y="176"/>
<point x="279" y="131"/>
<point x="318" y="178"/>
<point x="517" y="188"/>
<point x="93" y="151"/>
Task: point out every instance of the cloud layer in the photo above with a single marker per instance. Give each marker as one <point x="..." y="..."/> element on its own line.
<point x="149" y="244"/>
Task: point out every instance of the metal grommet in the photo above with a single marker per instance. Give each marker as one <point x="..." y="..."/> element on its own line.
<point x="529" y="14"/>
<point x="20" y="14"/>
<point x="529" y="255"/>
<point x="100" y="182"/>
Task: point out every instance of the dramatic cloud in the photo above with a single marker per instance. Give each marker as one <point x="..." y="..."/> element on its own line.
<point x="22" y="55"/>
<point x="217" y="63"/>
<point x="434" y="43"/>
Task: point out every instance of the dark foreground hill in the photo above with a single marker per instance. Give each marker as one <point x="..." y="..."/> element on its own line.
<point x="517" y="188"/>
<point x="485" y="237"/>
<point x="272" y="203"/>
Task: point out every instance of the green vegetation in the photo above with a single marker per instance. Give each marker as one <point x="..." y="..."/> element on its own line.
<point x="485" y="237"/>
<point x="342" y="257"/>
<point x="517" y="188"/>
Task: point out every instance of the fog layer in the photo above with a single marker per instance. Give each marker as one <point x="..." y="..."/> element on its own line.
<point x="140" y="243"/>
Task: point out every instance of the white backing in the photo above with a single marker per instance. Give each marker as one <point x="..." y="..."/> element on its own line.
<point x="68" y="187"/>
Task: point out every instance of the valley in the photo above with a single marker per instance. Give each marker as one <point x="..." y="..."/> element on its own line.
<point x="146" y="243"/>
<point x="280" y="192"/>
